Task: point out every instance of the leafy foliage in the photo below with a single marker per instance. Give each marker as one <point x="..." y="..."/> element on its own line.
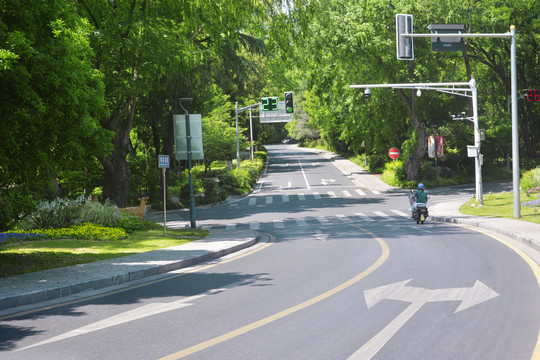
<point x="530" y="180"/>
<point x="106" y="214"/>
<point x="86" y="231"/>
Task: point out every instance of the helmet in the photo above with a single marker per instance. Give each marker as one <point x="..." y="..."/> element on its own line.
<point x="420" y="186"/>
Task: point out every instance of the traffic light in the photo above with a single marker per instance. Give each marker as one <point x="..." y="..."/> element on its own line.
<point x="404" y="45"/>
<point x="289" y="106"/>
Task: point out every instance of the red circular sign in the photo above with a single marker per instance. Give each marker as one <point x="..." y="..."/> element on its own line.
<point x="393" y="153"/>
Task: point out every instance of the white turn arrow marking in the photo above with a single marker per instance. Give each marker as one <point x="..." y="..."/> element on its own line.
<point x="326" y="181"/>
<point x="417" y="297"/>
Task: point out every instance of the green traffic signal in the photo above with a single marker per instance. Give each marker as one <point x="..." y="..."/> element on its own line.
<point x="289" y="106"/>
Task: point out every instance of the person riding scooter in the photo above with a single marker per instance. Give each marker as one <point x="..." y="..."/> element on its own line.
<point x="420" y="196"/>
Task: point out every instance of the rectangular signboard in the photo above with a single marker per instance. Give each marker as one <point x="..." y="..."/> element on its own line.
<point x="180" y="138"/>
<point x="164" y="161"/>
<point x="280" y="115"/>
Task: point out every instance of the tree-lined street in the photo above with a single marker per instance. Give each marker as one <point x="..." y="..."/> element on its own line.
<point x="329" y="283"/>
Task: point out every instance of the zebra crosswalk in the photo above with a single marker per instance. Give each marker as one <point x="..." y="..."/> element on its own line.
<point x="285" y="198"/>
<point x="387" y="217"/>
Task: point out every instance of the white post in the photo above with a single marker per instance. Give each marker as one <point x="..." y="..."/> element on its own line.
<point x="515" y="135"/>
<point x="251" y="133"/>
<point x="477" y="144"/>
<point x="237" y="140"/>
<point x="164" y="203"/>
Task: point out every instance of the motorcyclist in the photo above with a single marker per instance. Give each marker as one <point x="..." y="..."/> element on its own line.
<point x="420" y="196"/>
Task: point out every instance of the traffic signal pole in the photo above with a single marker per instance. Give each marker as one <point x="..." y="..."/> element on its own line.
<point x="515" y="130"/>
<point x="455" y="88"/>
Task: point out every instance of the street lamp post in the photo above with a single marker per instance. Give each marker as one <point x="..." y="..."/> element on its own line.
<point x="192" y="216"/>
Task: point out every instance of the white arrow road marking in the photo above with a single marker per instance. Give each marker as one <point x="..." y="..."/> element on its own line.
<point x="326" y="181"/>
<point x="131" y="315"/>
<point x="417" y="297"/>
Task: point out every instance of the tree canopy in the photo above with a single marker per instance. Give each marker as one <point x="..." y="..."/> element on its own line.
<point x="89" y="88"/>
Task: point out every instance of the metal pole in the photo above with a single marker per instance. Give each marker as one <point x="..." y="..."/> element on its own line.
<point x="515" y="135"/>
<point x="189" y="154"/>
<point x="251" y="133"/>
<point x="164" y="203"/>
<point x="237" y="140"/>
<point x="477" y="144"/>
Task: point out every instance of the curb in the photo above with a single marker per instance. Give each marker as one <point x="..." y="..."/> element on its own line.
<point x="476" y="222"/>
<point x="95" y="283"/>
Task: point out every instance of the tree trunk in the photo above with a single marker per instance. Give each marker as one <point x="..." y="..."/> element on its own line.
<point x="412" y="165"/>
<point x="117" y="180"/>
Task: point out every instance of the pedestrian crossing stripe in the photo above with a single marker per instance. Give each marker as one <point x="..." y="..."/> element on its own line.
<point x="364" y="216"/>
<point x="400" y="213"/>
<point x="302" y="197"/>
<point x="323" y="221"/>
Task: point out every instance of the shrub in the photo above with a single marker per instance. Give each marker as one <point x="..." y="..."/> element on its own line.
<point x="57" y="213"/>
<point x="106" y="214"/>
<point x="262" y="155"/>
<point x="377" y="164"/>
<point x="428" y="172"/>
<point x="213" y="193"/>
<point x="530" y="179"/>
<point x="86" y="231"/>
<point x="130" y="224"/>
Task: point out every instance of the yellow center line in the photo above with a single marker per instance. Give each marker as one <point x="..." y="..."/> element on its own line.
<point x="257" y="324"/>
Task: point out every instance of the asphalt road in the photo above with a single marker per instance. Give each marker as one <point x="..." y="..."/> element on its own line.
<point x="344" y="273"/>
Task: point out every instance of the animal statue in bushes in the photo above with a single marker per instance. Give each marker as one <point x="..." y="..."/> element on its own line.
<point x="137" y="211"/>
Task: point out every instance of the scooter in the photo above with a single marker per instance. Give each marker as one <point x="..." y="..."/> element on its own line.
<point x="421" y="213"/>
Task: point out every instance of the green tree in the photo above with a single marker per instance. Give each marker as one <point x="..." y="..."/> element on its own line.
<point x="51" y="97"/>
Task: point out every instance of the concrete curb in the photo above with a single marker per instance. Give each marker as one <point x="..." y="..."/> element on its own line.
<point x="87" y="278"/>
<point x="487" y="223"/>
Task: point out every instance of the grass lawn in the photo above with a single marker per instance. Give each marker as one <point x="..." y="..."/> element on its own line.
<point x="19" y="257"/>
<point x="502" y="205"/>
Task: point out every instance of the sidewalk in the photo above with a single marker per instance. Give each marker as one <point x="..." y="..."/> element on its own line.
<point x="21" y="290"/>
<point x="523" y="231"/>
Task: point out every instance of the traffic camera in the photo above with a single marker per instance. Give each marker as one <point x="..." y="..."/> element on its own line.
<point x="367" y="94"/>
